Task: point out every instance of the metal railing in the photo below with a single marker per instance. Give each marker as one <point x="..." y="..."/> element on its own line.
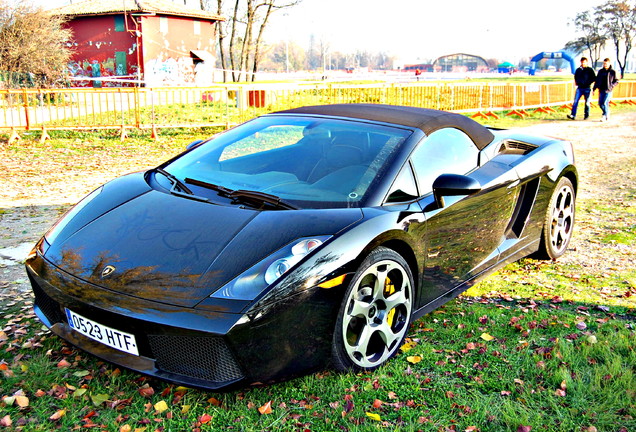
<point x="226" y="105"/>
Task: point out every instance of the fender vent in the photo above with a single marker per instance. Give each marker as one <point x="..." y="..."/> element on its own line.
<point x="516" y="147"/>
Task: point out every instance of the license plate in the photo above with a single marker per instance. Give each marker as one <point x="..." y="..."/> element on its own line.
<point x="107" y="335"/>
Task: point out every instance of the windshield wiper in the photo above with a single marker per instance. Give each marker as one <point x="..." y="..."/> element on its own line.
<point x="220" y="189"/>
<point x="245" y="196"/>
<point x="261" y="198"/>
<point x="178" y="187"/>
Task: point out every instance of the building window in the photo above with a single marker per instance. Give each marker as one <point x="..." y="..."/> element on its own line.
<point x="163" y="24"/>
<point x="197" y="27"/>
<point x="119" y="23"/>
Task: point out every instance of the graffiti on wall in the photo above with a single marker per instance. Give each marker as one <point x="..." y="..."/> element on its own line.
<point x="95" y="69"/>
<point x="174" y="72"/>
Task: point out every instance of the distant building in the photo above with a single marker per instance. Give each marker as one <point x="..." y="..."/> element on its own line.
<point x="423" y="67"/>
<point x="460" y="63"/>
<point x="155" y="41"/>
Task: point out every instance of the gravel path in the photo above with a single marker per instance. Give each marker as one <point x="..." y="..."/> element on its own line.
<point x="38" y="186"/>
<point x="606" y="160"/>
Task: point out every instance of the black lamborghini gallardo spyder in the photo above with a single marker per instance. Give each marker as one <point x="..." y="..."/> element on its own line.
<point x="297" y="240"/>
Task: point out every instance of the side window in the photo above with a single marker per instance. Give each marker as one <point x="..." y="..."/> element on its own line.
<point x="445" y="151"/>
<point x="404" y="187"/>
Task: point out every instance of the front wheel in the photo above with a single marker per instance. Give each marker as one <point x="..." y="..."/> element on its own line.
<point x="559" y="221"/>
<point x="375" y="313"/>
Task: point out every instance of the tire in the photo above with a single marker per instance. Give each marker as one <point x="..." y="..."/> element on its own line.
<point x="375" y="313"/>
<point x="559" y="221"/>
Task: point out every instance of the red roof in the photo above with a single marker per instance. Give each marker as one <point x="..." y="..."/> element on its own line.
<point x="112" y="7"/>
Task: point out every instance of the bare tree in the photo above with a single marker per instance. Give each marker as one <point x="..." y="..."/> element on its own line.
<point x="245" y="29"/>
<point x="618" y="19"/>
<point x="592" y="37"/>
<point x="33" y="45"/>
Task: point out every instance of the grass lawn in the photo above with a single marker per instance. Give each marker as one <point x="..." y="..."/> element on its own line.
<point x="475" y="364"/>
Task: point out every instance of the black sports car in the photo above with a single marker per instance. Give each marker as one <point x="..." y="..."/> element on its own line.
<point x="298" y="238"/>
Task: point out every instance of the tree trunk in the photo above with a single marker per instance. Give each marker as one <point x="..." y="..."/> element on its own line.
<point x="259" y="38"/>
<point x="221" y="38"/>
<point x="232" y="56"/>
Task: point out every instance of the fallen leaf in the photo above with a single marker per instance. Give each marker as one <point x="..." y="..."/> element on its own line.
<point x="377" y="403"/>
<point x="215" y="402"/>
<point x="486" y="337"/>
<point x="414" y="359"/>
<point x="58" y="415"/>
<point x="146" y="390"/>
<point x="161" y="406"/>
<point x="408" y="346"/>
<point x="205" y="418"/>
<point x="6" y="421"/>
<point x="266" y="409"/>
<point x="559" y="392"/>
<point x="62" y="364"/>
<point x="22" y="401"/>
<point x="125" y="428"/>
<point x="591" y="339"/>
<point x="373" y="416"/>
<point x="79" y="392"/>
<point x="99" y="399"/>
<point x="524" y="428"/>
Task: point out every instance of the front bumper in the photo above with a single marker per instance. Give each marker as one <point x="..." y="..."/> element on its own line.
<point x="211" y="349"/>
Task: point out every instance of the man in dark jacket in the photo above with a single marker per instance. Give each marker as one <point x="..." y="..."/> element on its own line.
<point x="584" y="77"/>
<point x="605" y="83"/>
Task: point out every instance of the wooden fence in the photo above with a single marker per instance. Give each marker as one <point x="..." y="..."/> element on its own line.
<point x="226" y="105"/>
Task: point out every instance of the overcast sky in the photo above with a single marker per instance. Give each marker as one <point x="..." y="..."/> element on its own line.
<point x="425" y="29"/>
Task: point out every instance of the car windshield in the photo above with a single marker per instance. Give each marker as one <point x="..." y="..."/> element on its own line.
<point x="305" y="161"/>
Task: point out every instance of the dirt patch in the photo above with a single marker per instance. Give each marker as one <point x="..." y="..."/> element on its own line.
<point x="606" y="161"/>
<point x="41" y="181"/>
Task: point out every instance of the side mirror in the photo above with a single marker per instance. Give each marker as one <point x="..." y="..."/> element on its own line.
<point x="453" y="185"/>
<point x="193" y="144"/>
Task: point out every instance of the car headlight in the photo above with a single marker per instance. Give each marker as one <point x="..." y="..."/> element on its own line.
<point x="253" y="281"/>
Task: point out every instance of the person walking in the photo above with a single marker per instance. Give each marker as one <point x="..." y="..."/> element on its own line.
<point x="605" y="82"/>
<point x="584" y="77"/>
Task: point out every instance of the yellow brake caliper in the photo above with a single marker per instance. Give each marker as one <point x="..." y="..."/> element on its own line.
<point x="389" y="290"/>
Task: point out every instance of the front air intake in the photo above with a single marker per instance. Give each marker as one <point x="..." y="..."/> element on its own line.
<point x="201" y="357"/>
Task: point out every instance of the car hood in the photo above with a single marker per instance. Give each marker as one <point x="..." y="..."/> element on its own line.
<point x="178" y="251"/>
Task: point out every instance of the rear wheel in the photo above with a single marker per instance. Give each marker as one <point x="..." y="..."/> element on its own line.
<point x="559" y="221"/>
<point x="375" y="313"/>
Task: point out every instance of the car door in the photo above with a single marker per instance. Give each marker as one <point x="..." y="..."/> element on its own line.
<point x="461" y="237"/>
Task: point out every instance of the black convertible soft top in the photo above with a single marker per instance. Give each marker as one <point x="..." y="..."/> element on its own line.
<point x="427" y="120"/>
